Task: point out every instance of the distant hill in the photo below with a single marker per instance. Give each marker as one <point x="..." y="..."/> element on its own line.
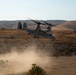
<point x="69" y="25"/>
<point x="8" y="24"/>
<point x="13" y="24"/>
<point x="56" y="22"/>
<point x="60" y="23"/>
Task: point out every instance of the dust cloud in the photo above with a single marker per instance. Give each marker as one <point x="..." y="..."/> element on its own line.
<point x="18" y="62"/>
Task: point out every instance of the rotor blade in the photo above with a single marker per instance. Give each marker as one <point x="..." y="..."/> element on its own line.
<point x="33" y="21"/>
<point x="43" y="23"/>
<point x="36" y="21"/>
<point x="47" y="23"/>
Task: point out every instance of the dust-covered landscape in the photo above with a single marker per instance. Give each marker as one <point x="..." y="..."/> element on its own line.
<point x="18" y="50"/>
<point x="37" y="37"/>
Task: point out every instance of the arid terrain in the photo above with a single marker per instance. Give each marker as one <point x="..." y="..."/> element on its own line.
<point x="18" y="51"/>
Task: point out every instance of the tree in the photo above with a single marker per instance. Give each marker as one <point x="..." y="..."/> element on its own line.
<point x="19" y="25"/>
<point x="36" y="70"/>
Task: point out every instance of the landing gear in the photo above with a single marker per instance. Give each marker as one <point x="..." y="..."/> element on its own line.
<point x="29" y="33"/>
<point x="53" y="39"/>
<point x="34" y="36"/>
<point x="37" y="36"/>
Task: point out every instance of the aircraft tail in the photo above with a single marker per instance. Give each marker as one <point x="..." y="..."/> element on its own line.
<point x="24" y="26"/>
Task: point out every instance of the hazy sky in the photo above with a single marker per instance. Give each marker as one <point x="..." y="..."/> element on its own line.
<point x="37" y="9"/>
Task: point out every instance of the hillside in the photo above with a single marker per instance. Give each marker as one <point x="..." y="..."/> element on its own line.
<point x="13" y="24"/>
<point x="63" y="45"/>
<point x="60" y="24"/>
<point x="18" y="50"/>
<point x="8" y="24"/>
<point x="69" y="25"/>
<point x="56" y="22"/>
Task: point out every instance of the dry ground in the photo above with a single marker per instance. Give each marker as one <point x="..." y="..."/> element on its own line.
<point x="59" y="66"/>
<point x="65" y="44"/>
<point x="64" y="66"/>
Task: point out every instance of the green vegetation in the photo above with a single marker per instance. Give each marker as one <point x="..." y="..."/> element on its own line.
<point x="36" y="70"/>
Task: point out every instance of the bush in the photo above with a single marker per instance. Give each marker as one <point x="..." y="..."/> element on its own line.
<point x="36" y="70"/>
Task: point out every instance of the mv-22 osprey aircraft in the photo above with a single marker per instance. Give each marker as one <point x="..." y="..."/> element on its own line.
<point x="38" y="32"/>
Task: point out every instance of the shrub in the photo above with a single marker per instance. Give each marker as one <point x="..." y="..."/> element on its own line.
<point x="36" y="70"/>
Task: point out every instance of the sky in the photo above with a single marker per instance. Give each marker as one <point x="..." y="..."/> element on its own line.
<point x="38" y="9"/>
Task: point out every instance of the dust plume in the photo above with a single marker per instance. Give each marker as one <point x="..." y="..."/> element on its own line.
<point x="19" y="62"/>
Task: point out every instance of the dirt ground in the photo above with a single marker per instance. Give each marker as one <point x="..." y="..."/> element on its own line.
<point x="57" y="57"/>
<point x="64" y="66"/>
<point x="59" y="66"/>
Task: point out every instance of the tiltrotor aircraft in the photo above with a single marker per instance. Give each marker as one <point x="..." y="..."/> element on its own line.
<point x="38" y="32"/>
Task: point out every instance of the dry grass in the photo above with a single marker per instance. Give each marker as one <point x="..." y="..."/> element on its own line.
<point x="65" y="39"/>
<point x="65" y="43"/>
